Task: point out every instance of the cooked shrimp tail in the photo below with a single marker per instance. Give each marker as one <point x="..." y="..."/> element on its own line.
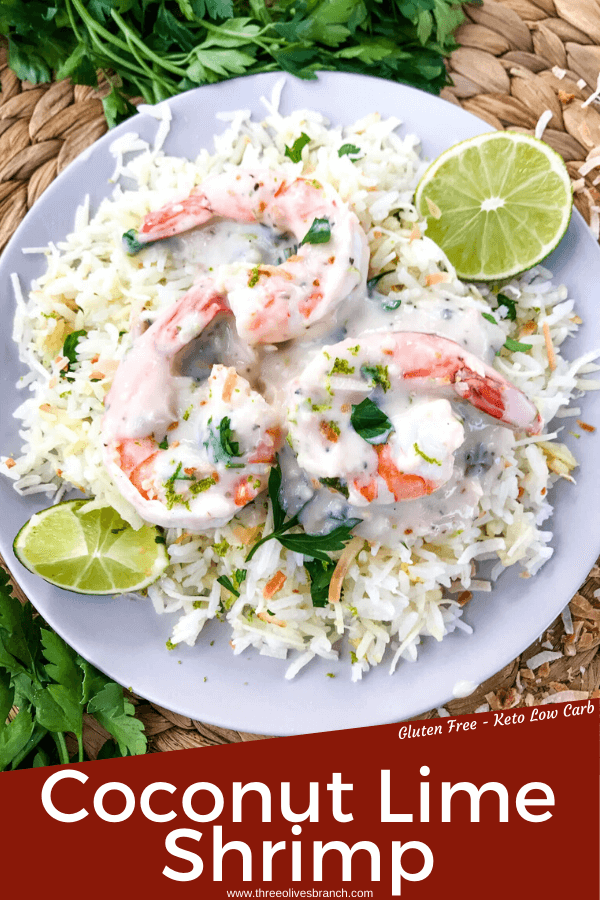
<point x="402" y="446"/>
<point x="186" y="454"/>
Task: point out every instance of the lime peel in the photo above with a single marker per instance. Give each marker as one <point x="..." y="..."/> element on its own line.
<point x="93" y="552"/>
<point x="497" y="204"/>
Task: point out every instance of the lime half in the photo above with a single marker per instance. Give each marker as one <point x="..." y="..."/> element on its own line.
<point x="496" y="204"/>
<point x="90" y="553"/>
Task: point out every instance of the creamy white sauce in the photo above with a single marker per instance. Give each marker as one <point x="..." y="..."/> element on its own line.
<point x="470" y="444"/>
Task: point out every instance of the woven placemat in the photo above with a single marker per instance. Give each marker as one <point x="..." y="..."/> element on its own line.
<point x="518" y="58"/>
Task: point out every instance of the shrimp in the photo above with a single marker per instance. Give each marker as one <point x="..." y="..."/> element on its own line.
<point x="274" y="303"/>
<point x="186" y="454"/>
<point x="401" y="447"/>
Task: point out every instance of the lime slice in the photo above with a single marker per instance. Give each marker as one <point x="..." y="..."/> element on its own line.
<point x="90" y="553"/>
<point x="496" y="204"/>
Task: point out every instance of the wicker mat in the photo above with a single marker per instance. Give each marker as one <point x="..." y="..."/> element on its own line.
<point x="518" y="58"/>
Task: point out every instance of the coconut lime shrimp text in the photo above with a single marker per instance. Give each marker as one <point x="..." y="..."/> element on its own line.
<point x="273" y="303"/>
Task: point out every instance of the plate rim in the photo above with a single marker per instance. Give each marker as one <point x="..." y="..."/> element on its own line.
<point x="128" y="126"/>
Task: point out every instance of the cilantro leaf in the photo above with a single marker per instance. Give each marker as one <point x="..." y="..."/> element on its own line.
<point x="295" y="151"/>
<point x="320" y="572"/>
<point x="370" y="422"/>
<point x="318" y="233"/>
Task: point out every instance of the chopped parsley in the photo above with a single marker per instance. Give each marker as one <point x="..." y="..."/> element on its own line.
<point x="320" y="572"/>
<point x="170" y="645"/>
<point x="341" y="367"/>
<point x="354" y="350"/>
<point x="70" y="350"/>
<point x="514" y="346"/>
<point x="164" y="444"/>
<point x="333" y="426"/>
<point x="131" y="243"/>
<point x="222" y="443"/>
<point x="336" y="485"/>
<point x="489" y="318"/>
<point x="370" y="422"/>
<point x="316" y="546"/>
<point x="378" y="375"/>
<point x="295" y="151"/>
<point x="318" y="233"/>
<point x="429" y="459"/>
<point x="187" y="413"/>
<point x="509" y="304"/>
<point x="348" y="150"/>
<point x="254" y="276"/>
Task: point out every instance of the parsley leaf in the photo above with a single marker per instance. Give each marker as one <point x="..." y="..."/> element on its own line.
<point x="70" y="350"/>
<point x="295" y="151"/>
<point x="51" y="686"/>
<point x="514" y="346"/>
<point x="509" y="304"/>
<point x="318" y="233"/>
<point x="379" y="376"/>
<point x="489" y="318"/>
<point x="316" y="546"/>
<point x="131" y="243"/>
<point x="115" y="713"/>
<point x="348" y="150"/>
<point x="320" y="572"/>
<point x="370" y="422"/>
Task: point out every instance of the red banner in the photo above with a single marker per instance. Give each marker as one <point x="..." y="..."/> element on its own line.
<point x="495" y="805"/>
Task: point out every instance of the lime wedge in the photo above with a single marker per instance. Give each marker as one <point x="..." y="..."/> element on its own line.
<point x="90" y="553"/>
<point x="496" y="204"/>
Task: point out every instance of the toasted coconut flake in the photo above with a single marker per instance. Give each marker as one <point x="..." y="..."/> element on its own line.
<point x="229" y="385"/>
<point x="349" y="554"/>
<point x="275" y="584"/>
<point x="540" y="658"/>
<point x="593" y="96"/>
<point x="565" y="98"/>
<point x="542" y="123"/>
<point x="436" y="278"/>
<point x="270" y="620"/>
<point x="586" y="427"/>
<point x="565" y="697"/>
<point x="588" y="165"/>
<point x="567" y="620"/>
<point x="549" y="346"/>
<point x="434" y="210"/>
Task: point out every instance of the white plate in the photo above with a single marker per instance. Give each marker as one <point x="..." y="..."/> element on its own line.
<point x="126" y="639"/>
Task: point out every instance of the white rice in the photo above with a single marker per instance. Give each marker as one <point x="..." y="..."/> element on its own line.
<point x="392" y="598"/>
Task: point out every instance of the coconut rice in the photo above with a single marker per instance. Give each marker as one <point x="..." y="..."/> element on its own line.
<point x="392" y="596"/>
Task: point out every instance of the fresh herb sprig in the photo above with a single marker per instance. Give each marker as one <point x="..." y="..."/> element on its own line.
<point x="45" y="688"/>
<point x="158" y="48"/>
<point x="315" y="546"/>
